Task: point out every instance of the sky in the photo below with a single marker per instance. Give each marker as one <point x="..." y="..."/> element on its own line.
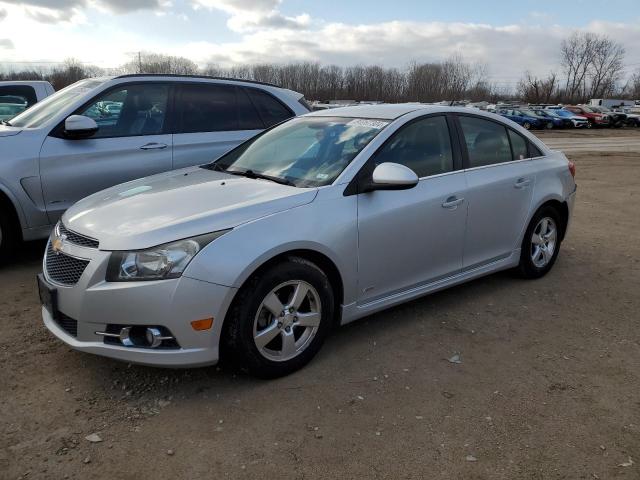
<point x="508" y="36"/>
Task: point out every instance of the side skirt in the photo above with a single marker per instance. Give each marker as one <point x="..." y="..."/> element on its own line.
<point x="353" y="311"/>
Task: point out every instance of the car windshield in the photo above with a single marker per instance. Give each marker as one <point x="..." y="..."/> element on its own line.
<point x="43" y="111"/>
<point x="304" y="152"/>
<point x="564" y="113"/>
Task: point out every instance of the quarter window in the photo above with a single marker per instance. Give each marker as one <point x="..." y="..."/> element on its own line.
<point x="130" y="111"/>
<point x="270" y="109"/>
<point x="487" y="141"/>
<point x="518" y="146"/>
<point x="15" y="99"/>
<point x="424" y="146"/>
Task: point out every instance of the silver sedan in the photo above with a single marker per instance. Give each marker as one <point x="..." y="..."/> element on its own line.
<point x="319" y="221"/>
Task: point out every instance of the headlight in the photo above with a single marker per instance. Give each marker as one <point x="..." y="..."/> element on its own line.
<point x="157" y="263"/>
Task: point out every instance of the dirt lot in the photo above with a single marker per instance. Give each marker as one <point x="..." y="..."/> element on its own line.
<point x="548" y="387"/>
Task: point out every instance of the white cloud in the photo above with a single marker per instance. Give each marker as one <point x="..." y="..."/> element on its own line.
<point x="253" y="15"/>
<point x="5" y="43"/>
<point x="3" y="14"/>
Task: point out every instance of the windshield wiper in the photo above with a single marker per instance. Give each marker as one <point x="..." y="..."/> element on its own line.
<point x="255" y="175"/>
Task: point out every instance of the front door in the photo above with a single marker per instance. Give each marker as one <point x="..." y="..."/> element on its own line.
<point x="130" y="143"/>
<point x="412" y="237"/>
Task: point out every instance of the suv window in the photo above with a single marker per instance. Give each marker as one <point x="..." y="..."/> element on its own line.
<point x="207" y="107"/>
<point x="487" y="141"/>
<point x="15" y="99"/>
<point x="424" y="146"/>
<point x="130" y="111"/>
<point x="518" y="146"/>
<point x="270" y="109"/>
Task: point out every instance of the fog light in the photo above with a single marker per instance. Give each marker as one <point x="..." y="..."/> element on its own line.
<point x="155" y="337"/>
<point x="204" y="324"/>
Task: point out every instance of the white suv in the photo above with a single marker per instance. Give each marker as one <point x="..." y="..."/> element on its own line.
<point x="101" y="132"/>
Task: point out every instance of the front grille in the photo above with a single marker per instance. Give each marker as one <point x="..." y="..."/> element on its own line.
<point x="76" y="238"/>
<point x="62" y="268"/>
<point x="67" y="324"/>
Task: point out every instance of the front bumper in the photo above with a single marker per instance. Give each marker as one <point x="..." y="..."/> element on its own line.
<point x="95" y="304"/>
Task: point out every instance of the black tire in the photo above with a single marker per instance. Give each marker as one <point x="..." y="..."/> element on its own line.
<point x="8" y="237"/>
<point x="549" y="125"/>
<point x="590" y="124"/>
<point x="527" y="268"/>
<point x="238" y="343"/>
<point x="527" y="125"/>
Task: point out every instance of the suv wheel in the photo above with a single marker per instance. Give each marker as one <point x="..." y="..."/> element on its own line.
<point x="7" y="236"/>
<point x="541" y="243"/>
<point x="279" y="319"/>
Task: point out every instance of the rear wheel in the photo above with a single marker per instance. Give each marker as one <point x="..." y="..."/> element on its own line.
<point x="279" y="319"/>
<point x="541" y="243"/>
<point x="527" y="125"/>
<point x="8" y="238"/>
<point x="549" y="125"/>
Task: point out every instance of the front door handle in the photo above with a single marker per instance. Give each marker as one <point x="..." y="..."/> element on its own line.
<point x="522" y="182"/>
<point x="452" y="202"/>
<point x="154" y="146"/>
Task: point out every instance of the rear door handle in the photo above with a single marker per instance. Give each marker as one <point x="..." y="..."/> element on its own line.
<point x="154" y="146"/>
<point x="522" y="182"/>
<point x="452" y="202"/>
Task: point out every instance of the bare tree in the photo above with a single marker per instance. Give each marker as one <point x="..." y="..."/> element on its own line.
<point x="539" y="90"/>
<point x="593" y="65"/>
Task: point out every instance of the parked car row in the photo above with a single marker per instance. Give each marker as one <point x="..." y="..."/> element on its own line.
<point x="569" y="116"/>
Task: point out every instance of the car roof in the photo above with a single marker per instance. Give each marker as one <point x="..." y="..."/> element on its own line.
<point x="392" y="111"/>
<point x="199" y="77"/>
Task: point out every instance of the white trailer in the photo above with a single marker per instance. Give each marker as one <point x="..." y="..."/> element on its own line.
<point x="611" y="102"/>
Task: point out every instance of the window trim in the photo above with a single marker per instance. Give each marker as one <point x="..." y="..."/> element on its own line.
<point x="167" y="126"/>
<point x="354" y="186"/>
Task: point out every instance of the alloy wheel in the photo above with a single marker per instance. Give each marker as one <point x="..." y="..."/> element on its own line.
<point x="543" y="242"/>
<point x="287" y="320"/>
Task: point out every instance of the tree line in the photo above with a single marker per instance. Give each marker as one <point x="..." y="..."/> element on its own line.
<point x="590" y="66"/>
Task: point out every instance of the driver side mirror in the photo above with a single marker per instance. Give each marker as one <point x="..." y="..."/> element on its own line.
<point x="79" y="126"/>
<point x="392" y="176"/>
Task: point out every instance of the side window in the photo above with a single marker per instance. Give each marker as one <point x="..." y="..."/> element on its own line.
<point x="248" y="117"/>
<point x="15" y="99"/>
<point x="534" y="151"/>
<point x="518" y="146"/>
<point x="130" y="111"/>
<point x="424" y="146"/>
<point x="270" y="109"/>
<point x="487" y="141"/>
<point x="206" y="107"/>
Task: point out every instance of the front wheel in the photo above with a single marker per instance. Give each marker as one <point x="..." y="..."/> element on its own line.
<point x="7" y="236"/>
<point x="280" y="318"/>
<point x="541" y="243"/>
<point x="527" y="125"/>
<point x="549" y="126"/>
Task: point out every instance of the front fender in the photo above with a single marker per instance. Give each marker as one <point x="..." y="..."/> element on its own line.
<point x="328" y="226"/>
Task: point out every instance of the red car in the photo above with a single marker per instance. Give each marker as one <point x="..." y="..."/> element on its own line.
<point x="594" y="118"/>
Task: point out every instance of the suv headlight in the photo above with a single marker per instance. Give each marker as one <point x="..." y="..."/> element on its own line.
<point x="157" y="263"/>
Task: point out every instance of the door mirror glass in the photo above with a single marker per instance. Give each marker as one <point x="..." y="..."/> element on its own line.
<point x="393" y="176"/>
<point x="79" y="126"/>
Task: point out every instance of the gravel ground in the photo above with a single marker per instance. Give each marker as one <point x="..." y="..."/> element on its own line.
<point x="547" y="388"/>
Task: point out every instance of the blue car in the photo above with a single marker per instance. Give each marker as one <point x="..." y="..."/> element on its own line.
<point x="521" y="118"/>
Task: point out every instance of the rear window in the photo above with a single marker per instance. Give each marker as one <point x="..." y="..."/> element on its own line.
<point x="487" y="141"/>
<point x="518" y="146"/>
<point x="15" y="99"/>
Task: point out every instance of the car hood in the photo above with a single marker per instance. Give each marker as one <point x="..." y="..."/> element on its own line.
<point x="7" y="131"/>
<point x="178" y="204"/>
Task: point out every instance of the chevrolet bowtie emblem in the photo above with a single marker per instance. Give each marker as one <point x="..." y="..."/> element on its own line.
<point x="58" y="243"/>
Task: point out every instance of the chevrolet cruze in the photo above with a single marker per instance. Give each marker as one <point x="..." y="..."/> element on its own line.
<point x="318" y="221"/>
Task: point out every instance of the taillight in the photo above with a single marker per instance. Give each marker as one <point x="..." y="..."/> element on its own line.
<point x="572" y="169"/>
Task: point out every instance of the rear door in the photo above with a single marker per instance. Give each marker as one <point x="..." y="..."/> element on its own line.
<point x="500" y="180"/>
<point x="213" y="118"/>
<point x="132" y="141"/>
